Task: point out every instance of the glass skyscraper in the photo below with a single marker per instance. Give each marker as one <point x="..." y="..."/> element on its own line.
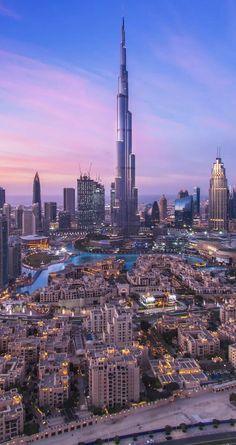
<point x="90" y="203"/>
<point x="184" y="212"/>
<point x="218" y="197"/>
<point x="3" y="252"/>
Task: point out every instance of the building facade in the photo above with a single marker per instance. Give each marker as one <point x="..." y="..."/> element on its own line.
<point x="90" y="203"/>
<point x="184" y="212"/>
<point x="3" y="251"/>
<point x="125" y="208"/>
<point x="69" y="201"/>
<point x="37" y="198"/>
<point x="218" y="197"/>
<point x="163" y="208"/>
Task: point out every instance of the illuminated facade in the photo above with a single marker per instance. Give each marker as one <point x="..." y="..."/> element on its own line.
<point x="90" y="203"/>
<point x="184" y="212"/>
<point x="218" y="197"/>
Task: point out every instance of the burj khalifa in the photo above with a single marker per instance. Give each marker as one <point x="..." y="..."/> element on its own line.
<point x="124" y="194"/>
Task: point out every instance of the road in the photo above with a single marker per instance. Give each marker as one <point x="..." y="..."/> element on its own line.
<point x="201" y="408"/>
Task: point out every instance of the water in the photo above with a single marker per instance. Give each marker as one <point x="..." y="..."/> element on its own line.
<point x="83" y="258"/>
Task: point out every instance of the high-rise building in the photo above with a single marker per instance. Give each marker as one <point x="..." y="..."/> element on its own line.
<point x="152" y="215"/>
<point x="125" y="210"/>
<point x="69" y="201"/>
<point x="184" y="212"/>
<point x="28" y="222"/>
<point x="218" y="197"/>
<point x="6" y="210"/>
<point x="114" y="379"/>
<point x="14" y="259"/>
<point x="90" y="203"/>
<point x="50" y="211"/>
<point x="64" y="220"/>
<point x="37" y="199"/>
<point x="163" y="208"/>
<point x="19" y="217"/>
<point x="3" y="251"/>
<point x="2" y="197"/>
<point x="196" y="201"/>
<point x="232" y="202"/>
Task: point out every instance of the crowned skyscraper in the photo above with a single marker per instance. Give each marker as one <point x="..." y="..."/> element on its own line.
<point x="124" y="206"/>
<point x="218" y="197"/>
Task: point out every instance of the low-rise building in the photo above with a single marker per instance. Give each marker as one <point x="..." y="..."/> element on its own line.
<point x="11" y="415"/>
<point x="198" y="342"/>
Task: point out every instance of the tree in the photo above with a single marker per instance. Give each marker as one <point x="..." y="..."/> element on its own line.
<point x="117" y="440"/>
<point x="183" y="427"/>
<point x="144" y="325"/>
<point x="216" y="423"/>
<point x="168" y="429"/>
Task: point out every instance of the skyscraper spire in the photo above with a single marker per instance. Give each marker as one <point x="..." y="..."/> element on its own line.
<point x="124" y="205"/>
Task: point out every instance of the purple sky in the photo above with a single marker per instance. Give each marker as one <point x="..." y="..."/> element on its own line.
<point x="58" y="83"/>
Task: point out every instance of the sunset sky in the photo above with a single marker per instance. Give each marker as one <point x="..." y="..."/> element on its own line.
<point x="59" y="62"/>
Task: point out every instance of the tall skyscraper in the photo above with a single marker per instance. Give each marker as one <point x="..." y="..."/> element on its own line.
<point x="163" y="208"/>
<point x="196" y="201"/>
<point x="69" y="201"/>
<point x="64" y="220"/>
<point x="90" y="204"/>
<point x="2" y="197"/>
<point x="19" y="217"/>
<point x="218" y="197"/>
<point x="152" y="215"/>
<point x="37" y="199"/>
<point x="3" y="251"/>
<point x="124" y="211"/>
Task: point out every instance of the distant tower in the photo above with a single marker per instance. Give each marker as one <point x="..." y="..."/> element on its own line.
<point x="14" y="256"/>
<point x="2" y="197"/>
<point x="218" y="197"/>
<point x="163" y="208"/>
<point x="182" y="193"/>
<point x="37" y="199"/>
<point x="196" y="201"/>
<point x="69" y="201"/>
<point x="125" y="209"/>
<point x="3" y="251"/>
<point x="6" y="210"/>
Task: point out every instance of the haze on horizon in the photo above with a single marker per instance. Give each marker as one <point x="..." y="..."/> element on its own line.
<point x="58" y="83"/>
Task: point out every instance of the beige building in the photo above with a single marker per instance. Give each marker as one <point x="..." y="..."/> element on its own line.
<point x="11" y="415"/>
<point x="232" y="354"/>
<point x="112" y="325"/>
<point x="53" y="373"/>
<point x="114" y="379"/>
<point x="198" y="342"/>
<point x="228" y="311"/>
<point x="12" y="371"/>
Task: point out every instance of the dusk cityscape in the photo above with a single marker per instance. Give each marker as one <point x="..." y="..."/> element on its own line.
<point x="117" y="222"/>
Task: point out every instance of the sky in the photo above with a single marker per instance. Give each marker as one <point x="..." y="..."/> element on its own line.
<point x="59" y="63"/>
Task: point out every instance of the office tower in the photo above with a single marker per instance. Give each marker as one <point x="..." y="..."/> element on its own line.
<point x="182" y="193"/>
<point x="19" y="217"/>
<point x="90" y="203"/>
<point x="50" y="211"/>
<point x="184" y="212"/>
<point x="37" y="199"/>
<point x="64" y="220"/>
<point x="163" y="208"/>
<point x="3" y="251"/>
<point x="218" y="197"/>
<point x="28" y="223"/>
<point x="69" y="201"/>
<point x="112" y="201"/>
<point x="6" y="210"/>
<point x="125" y="209"/>
<point x="232" y="202"/>
<point x="2" y="197"/>
<point x="196" y="201"/>
<point x="152" y="215"/>
<point x="14" y="259"/>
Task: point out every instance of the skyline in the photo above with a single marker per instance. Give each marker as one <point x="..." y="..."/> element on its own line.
<point x="182" y="75"/>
